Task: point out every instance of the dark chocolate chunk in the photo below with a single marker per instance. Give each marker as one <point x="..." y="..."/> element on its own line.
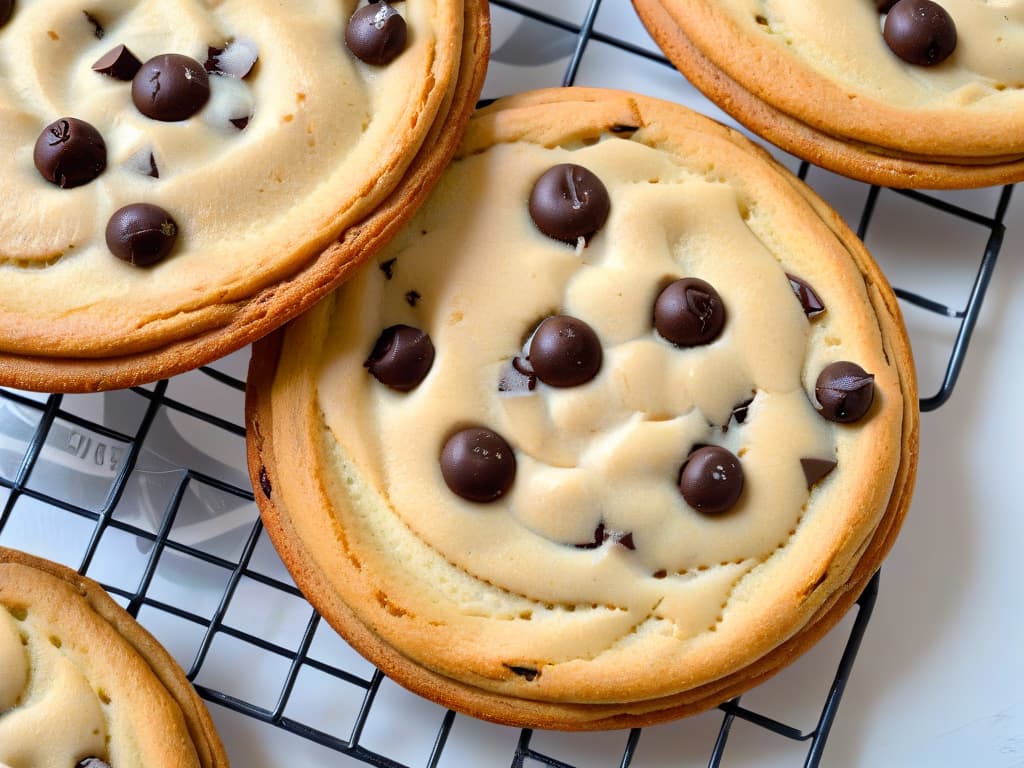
<point x="809" y="300"/>
<point x="91" y="762"/>
<point x="478" y="465"/>
<point x="845" y="391"/>
<point x="97" y="28"/>
<point x="920" y="32"/>
<point x="815" y="469"/>
<point x="885" y="5"/>
<point x="569" y="202"/>
<point x="170" y="87"/>
<point x="265" y="485"/>
<point x="6" y="9"/>
<point x="517" y="376"/>
<point x="711" y="480"/>
<point x="376" y="34"/>
<point x="388" y="268"/>
<point x="118" y="63"/>
<point x="624" y="539"/>
<point x="689" y="313"/>
<point x="411" y="297"/>
<point x="154" y="172"/>
<point x="529" y="673"/>
<point x="141" y="234"/>
<point x="235" y="59"/>
<point x="240" y="122"/>
<point x="565" y="352"/>
<point x="401" y="357"/>
<point x="70" y="152"/>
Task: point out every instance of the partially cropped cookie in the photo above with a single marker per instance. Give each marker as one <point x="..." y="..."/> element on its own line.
<point x="82" y="684"/>
<point x="914" y="93"/>
<point x="666" y="431"/>
<point x="182" y="178"/>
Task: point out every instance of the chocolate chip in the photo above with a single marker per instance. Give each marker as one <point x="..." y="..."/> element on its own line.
<point x="70" y="152"/>
<point x="265" y="485"/>
<point x="376" y="34"/>
<point x="711" y="480"/>
<point x="920" y="32"/>
<point x="170" y="87"/>
<point x="529" y="673"/>
<point x="517" y="376"/>
<point x="598" y="539"/>
<point x="141" y="234"/>
<point x="118" y="63"/>
<point x="240" y="122"/>
<point x="565" y="352"/>
<point x="809" y="300"/>
<point x="411" y="297"/>
<point x="6" y="9"/>
<point x="388" y="268"/>
<point x="401" y="357"/>
<point x="478" y="465"/>
<point x="235" y="59"/>
<point x="845" y="391"/>
<point x="815" y="469"/>
<point x="97" y="28"/>
<point x="154" y="172"/>
<point x="91" y="762"/>
<point x="885" y="5"/>
<point x="569" y="202"/>
<point x="740" y="410"/>
<point x="689" y="313"/>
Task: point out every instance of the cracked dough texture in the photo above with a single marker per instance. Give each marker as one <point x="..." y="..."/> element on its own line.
<point x="818" y="79"/>
<point x="351" y="486"/>
<point x="329" y="140"/>
<point x="80" y="678"/>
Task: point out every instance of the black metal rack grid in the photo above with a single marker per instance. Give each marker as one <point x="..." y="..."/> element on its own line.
<point x="118" y="452"/>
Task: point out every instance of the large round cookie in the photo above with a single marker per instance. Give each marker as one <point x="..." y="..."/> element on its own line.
<point x="282" y="182"/>
<point x="584" y="589"/>
<point x="819" y="79"/>
<point x="79" y="679"/>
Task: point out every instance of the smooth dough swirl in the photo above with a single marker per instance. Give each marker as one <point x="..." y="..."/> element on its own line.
<point x="324" y="143"/>
<point x="505" y="579"/>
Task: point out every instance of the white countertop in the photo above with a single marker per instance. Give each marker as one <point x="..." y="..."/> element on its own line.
<point x="938" y="678"/>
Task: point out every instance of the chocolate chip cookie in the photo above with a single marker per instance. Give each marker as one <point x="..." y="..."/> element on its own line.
<point x="649" y="428"/>
<point x="912" y="93"/>
<point x="181" y="178"/>
<point x="82" y="684"/>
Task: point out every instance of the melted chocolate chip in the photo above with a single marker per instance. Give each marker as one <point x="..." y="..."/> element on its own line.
<point x="70" y="152"/>
<point x="815" y="469"/>
<point x="118" y="63"/>
<point x="920" y="32"/>
<point x="6" y="9"/>
<point x="141" y="234"/>
<point x="412" y="297"/>
<point x="599" y="538"/>
<point x="91" y="762"/>
<point x="401" y="357"/>
<point x="569" y="202"/>
<point x="170" y="87"/>
<point x="711" y="480"/>
<point x="376" y="34"/>
<point x="809" y="300"/>
<point x="388" y="268"/>
<point x="689" y="313"/>
<point x="478" y="465"/>
<point x="529" y="673"/>
<point x="265" y="485"/>
<point x="565" y="352"/>
<point x="845" y="392"/>
<point x="97" y="28"/>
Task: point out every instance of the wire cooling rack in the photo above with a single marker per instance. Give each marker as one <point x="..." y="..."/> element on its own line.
<point x="145" y="490"/>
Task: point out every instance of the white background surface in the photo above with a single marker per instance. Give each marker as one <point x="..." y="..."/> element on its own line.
<point x="938" y="679"/>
